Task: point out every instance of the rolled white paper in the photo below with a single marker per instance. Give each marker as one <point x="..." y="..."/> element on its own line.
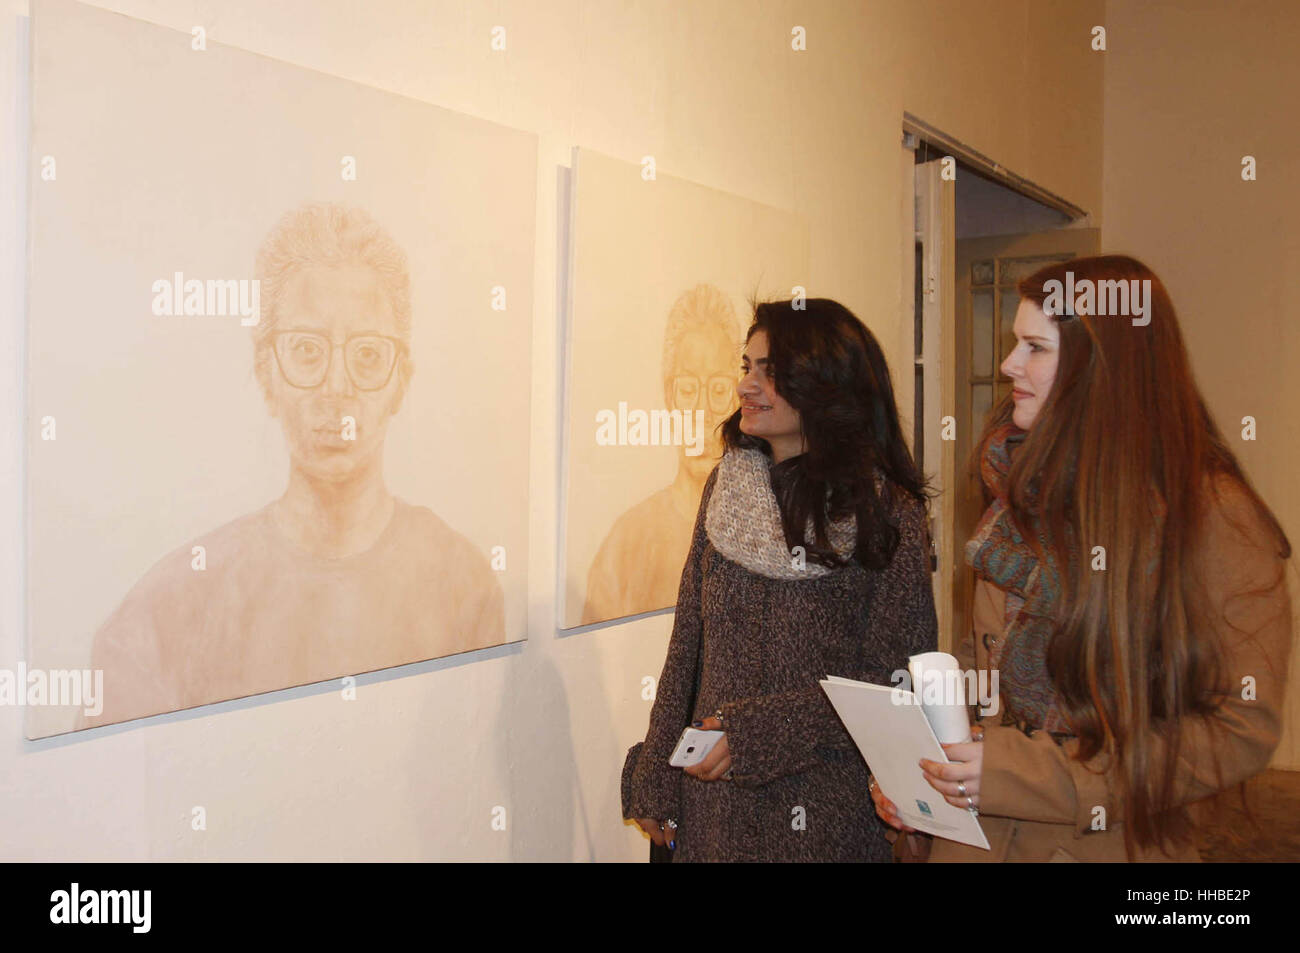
<point x="939" y="686"/>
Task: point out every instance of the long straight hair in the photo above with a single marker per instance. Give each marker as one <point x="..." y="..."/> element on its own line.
<point x="829" y="368"/>
<point x="1124" y="454"/>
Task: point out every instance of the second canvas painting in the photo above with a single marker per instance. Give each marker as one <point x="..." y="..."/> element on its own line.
<point x="663" y="271"/>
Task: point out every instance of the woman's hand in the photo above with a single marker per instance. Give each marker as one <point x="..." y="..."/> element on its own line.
<point x="718" y="761"/>
<point x="659" y="831"/>
<point x="958" y="781"/>
<point x="886" y="809"/>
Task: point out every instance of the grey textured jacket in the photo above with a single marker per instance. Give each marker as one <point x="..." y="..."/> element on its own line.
<point x="799" y="785"/>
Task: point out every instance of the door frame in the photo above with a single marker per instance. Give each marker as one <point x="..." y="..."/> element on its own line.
<point x="946" y="145"/>
<point x="928" y="217"/>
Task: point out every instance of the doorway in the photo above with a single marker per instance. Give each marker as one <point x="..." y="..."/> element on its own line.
<point x="974" y="231"/>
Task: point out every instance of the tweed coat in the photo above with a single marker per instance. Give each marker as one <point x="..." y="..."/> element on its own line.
<point x="759" y="647"/>
<point x="1038" y="803"/>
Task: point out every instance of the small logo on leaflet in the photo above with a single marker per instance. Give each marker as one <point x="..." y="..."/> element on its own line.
<point x="925" y="808"/>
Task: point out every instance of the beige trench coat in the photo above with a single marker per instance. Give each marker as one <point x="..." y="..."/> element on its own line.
<point x="1037" y="803"/>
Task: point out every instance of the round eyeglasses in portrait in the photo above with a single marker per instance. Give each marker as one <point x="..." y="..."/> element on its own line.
<point x="304" y="358"/>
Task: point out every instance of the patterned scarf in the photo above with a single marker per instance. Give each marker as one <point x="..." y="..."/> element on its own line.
<point x="1000" y="553"/>
<point x="744" y="521"/>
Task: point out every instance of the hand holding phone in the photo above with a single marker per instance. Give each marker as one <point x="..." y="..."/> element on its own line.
<point x="693" y="747"/>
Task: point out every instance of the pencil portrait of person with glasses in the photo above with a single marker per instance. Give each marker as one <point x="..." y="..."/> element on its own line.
<point x="639" y="564"/>
<point x="337" y="576"/>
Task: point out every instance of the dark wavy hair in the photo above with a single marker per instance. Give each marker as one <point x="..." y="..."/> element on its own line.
<point x="829" y="368"/>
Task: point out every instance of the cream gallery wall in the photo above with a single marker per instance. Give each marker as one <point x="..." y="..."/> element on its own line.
<point x="283" y="406"/>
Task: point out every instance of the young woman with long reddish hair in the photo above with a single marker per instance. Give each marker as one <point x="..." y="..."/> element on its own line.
<point x="1130" y="593"/>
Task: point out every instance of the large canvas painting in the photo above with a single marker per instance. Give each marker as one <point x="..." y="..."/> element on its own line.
<point x="278" y="374"/>
<point x="663" y="271"/>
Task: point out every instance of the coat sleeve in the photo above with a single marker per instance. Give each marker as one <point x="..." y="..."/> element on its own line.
<point x="773" y="736"/>
<point x="1034" y="778"/>
<point x="650" y="786"/>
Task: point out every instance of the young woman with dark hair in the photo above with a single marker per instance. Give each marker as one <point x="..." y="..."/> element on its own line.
<point x="809" y="557"/>
<point x="1130" y="590"/>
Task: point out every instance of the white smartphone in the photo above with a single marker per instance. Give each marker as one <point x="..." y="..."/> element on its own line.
<point x="693" y="747"/>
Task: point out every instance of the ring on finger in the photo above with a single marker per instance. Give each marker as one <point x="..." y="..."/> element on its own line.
<point x="961" y="789"/>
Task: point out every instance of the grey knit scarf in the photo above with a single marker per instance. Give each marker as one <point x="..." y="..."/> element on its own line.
<point x="744" y="522"/>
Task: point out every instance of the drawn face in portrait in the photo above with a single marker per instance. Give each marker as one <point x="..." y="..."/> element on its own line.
<point x="703" y="378"/>
<point x="336" y="347"/>
<point x="639" y="563"/>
